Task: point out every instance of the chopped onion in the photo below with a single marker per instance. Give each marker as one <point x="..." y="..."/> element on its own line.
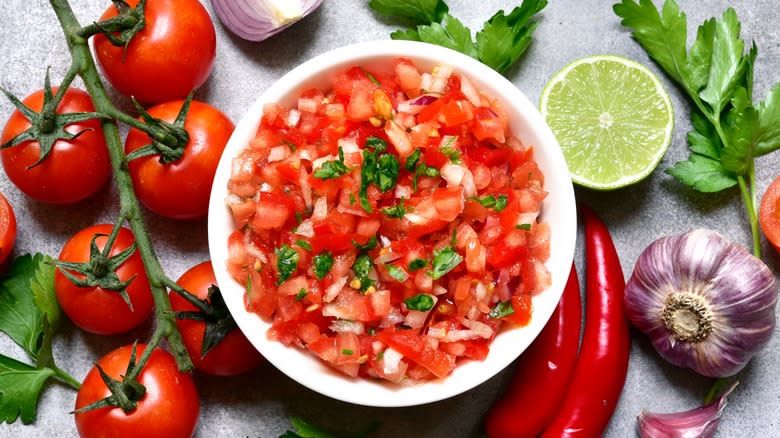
<point x="278" y="153"/>
<point x="391" y="359"/>
<point x="440" y="76"/>
<point x="334" y="289"/>
<point x="348" y="145"/>
<point x="316" y="164"/>
<point x="416" y="218"/>
<point x="320" y="208"/>
<point x="416" y="319"/>
<point x="393" y="318"/>
<point x="347" y="326"/>
<point x="305" y="228"/>
<point x="426" y="81"/>
<point x="255" y="252"/>
<point x="265" y="187"/>
<point x="469" y="91"/>
<point x="469" y="188"/>
<point x="305" y="155"/>
<point x="527" y="218"/>
<point x="303" y="181"/>
<point x="439" y="290"/>
<point x="437" y="332"/>
<point x="293" y="117"/>
<point x="414" y="106"/>
<point x="256" y="20"/>
<point x="308" y="104"/>
<point x="402" y="191"/>
<point x="453" y="174"/>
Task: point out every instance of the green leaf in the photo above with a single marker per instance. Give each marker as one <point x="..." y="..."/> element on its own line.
<point x="704" y="140"/>
<point x="406" y="34"/>
<point x="387" y="172"/>
<point x="444" y="261"/>
<point x="727" y="50"/>
<point x="504" y="38"/>
<point x="334" y="168"/>
<point x="286" y="263"/>
<point x="323" y="262"/>
<point x="419" y="11"/>
<point x="662" y="35"/>
<point x="417" y="264"/>
<point x="45" y="296"/>
<point x="396" y="211"/>
<point x="502" y="309"/>
<point x="368" y="246"/>
<point x="397" y="273"/>
<point x="450" y="33"/>
<point x="420" y="302"/>
<point x="20" y="388"/>
<point x="703" y="174"/>
<point x="361" y="268"/>
<point x="769" y="121"/>
<point x="741" y="127"/>
<point x="701" y="56"/>
<point x="20" y="317"/>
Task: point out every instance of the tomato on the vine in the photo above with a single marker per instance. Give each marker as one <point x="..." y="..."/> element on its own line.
<point x="168" y="409"/>
<point x="7" y="229"/>
<point x="180" y="190"/>
<point x="234" y="354"/>
<point x="92" y="308"/>
<point x="74" y="169"/>
<point x="169" y="57"/>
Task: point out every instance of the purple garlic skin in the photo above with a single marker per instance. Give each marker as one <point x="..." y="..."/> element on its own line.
<point x="706" y="303"/>
<point x="701" y="422"/>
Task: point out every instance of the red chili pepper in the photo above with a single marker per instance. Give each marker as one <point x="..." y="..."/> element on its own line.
<point x="603" y="360"/>
<point x="542" y="373"/>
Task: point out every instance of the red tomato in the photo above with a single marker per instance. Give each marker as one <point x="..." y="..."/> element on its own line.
<point x="92" y="308"/>
<point x="168" y="409"/>
<point x="769" y="213"/>
<point x="234" y="354"/>
<point x="7" y="229"/>
<point x="180" y="190"/>
<point x="74" y="169"/>
<point x="169" y="57"/>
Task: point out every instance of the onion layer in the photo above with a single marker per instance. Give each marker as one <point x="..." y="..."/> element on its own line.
<point x="256" y="20"/>
<point x="706" y="303"/>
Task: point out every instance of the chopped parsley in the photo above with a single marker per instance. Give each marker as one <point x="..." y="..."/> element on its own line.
<point x="451" y="153"/>
<point x="423" y="170"/>
<point x="421" y="302"/>
<point x="376" y="143"/>
<point x="286" y="263"/>
<point x="397" y="211"/>
<point x="379" y="168"/>
<point x="352" y="199"/>
<point x="412" y="160"/>
<point x="526" y="227"/>
<point x="303" y="244"/>
<point x="323" y="262"/>
<point x="491" y="201"/>
<point x="347" y="352"/>
<point x="290" y="144"/>
<point x="368" y="246"/>
<point x="361" y="268"/>
<point x="444" y="261"/>
<point x="417" y="264"/>
<point x="397" y="273"/>
<point x="298" y="217"/>
<point x="301" y="294"/>
<point x="334" y="168"/>
<point x="502" y="309"/>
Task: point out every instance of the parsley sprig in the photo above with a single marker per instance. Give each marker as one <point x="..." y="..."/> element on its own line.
<point x="500" y="43"/>
<point x="729" y="130"/>
<point x="334" y="168"/>
<point x="379" y="168"/>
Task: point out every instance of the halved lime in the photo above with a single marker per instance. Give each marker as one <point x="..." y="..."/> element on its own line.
<point x="612" y="117"/>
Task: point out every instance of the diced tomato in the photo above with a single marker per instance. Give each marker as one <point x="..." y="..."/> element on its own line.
<point x="487" y="125"/>
<point x="502" y="255"/>
<point x="449" y="202"/>
<point x="361" y="105"/>
<point x="272" y="211"/>
<point x="456" y="112"/>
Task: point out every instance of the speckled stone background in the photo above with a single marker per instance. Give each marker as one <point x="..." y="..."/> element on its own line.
<point x="258" y="404"/>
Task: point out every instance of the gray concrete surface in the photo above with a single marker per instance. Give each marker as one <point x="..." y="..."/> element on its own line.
<point x="258" y="404"/>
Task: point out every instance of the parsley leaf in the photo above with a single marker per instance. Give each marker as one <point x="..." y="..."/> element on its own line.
<point x="334" y="168"/>
<point x="420" y="302"/>
<point x="379" y="168"/>
<point x="412" y="160"/>
<point x="286" y="263"/>
<point x="490" y="201"/>
<point x="397" y="273"/>
<point x="505" y="37"/>
<point x="397" y="211"/>
<point x="449" y="33"/>
<point x="301" y="294"/>
<point x="361" y="268"/>
<point x="303" y="244"/>
<point x="20" y="316"/>
<point x="323" y="262"/>
<point x="368" y="246"/>
<point x="419" y="11"/>
<point x="444" y="261"/>
<point x="502" y="309"/>
<point x="451" y="153"/>
<point x="376" y="143"/>
<point x="20" y="387"/>
<point x="417" y="264"/>
<point x="388" y="168"/>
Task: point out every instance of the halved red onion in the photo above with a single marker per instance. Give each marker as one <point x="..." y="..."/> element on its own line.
<point x="256" y="20"/>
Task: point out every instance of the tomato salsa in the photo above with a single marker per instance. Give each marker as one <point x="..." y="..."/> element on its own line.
<point x="389" y="225"/>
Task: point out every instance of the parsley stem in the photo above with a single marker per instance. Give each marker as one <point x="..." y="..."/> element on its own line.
<point x="747" y="196"/>
<point x="65" y="378"/>
<point x="129" y="206"/>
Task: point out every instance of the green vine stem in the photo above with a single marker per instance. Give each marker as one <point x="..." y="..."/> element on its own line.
<point x="130" y="209"/>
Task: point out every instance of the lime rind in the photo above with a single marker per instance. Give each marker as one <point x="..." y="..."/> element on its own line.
<point x="613" y="118"/>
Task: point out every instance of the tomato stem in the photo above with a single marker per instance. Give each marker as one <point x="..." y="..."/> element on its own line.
<point x="129" y="206"/>
<point x="192" y="299"/>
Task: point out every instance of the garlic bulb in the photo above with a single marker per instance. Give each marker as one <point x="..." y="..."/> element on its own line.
<point x="256" y="20"/>
<point x="701" y="422"/>
<point x="706" y="303"/>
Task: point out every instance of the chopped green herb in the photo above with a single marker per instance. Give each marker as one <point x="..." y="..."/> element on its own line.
<point x="367" y="175"/>
<point x="334" y="168"/>
<point x="451" y="153"/>
<point x="371" y="331"/>
<point x="380" y="355"/>
<point x="444" y="261"/>
<point x="417" y="264"/>
<point x="368" y="246"/>
<point x="397" y="273"/>
<point x="502" y="309"/>
<point x="526" y="227"/>
<point x="387" y="172"/>
<point x="298" y="217"/>
<point x="361" y="268"/>
<point x="290" y="144"/>
<point x="376" y="143"/>
<point x="421" y="302"/>
<point x="397" y="211"/>
<point x="352" y="199"/>
<point x="423" y="170"/>
<point x="301" y="294"/>
<point x="303" y="244"/>
<point x="412" y="160"/>
<point x="454" y="239"/>
<point x="370" y="77"/>
<point x="490" y="201"/>
<point x="323" y="262"/>
<point x="286" y="262"/>
<point x="347" y="352"/>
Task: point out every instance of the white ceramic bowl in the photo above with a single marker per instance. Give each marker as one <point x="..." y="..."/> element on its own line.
<point x="558" y="210"/>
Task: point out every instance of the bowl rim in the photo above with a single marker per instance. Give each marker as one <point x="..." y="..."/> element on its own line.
<point x="302" y="366"/>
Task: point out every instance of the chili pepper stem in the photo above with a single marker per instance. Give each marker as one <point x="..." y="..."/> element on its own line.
<point x="129" y="205"/>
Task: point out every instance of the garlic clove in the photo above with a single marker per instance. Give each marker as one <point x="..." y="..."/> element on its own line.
<point x="701" y="422"/>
